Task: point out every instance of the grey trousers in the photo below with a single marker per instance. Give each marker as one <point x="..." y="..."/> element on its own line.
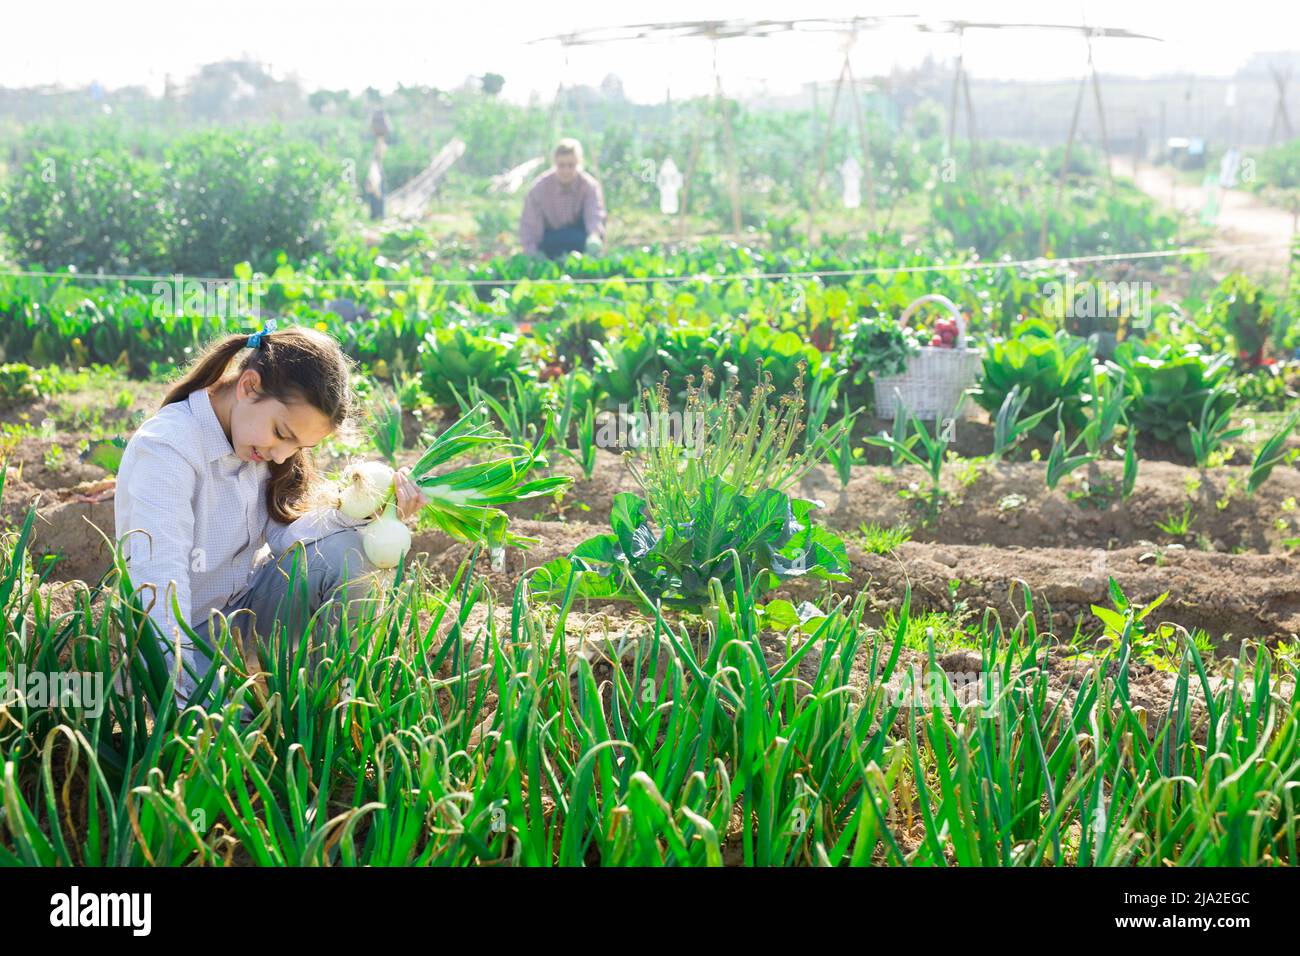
<point x="330" y="573"/>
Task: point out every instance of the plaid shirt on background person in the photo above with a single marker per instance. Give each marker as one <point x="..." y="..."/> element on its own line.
<point x="552" y="205"/>
<point x="205" y="514"/>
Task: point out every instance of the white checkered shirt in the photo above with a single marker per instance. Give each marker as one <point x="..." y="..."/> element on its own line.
<point x="552" y="205"/>
<point x="205" y="513"/>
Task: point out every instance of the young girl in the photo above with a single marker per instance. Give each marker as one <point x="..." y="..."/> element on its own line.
<point x="221" y="483"/>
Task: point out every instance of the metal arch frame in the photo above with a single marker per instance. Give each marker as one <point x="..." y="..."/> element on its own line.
<point x="716" y="30"/>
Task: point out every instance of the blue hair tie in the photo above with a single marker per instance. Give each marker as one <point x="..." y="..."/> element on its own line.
<point x="255" y="339"/>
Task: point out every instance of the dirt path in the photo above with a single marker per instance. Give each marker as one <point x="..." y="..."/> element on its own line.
<point x="1242" y="218"/>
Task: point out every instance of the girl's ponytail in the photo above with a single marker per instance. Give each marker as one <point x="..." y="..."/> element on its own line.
<point x="295" y="365"/>
<point x="208" y="369"/>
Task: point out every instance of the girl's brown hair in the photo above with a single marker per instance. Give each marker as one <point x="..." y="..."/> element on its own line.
<point x="296" y="365"/>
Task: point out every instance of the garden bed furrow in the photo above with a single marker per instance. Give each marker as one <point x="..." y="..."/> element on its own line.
<point x="1230" y="596"/>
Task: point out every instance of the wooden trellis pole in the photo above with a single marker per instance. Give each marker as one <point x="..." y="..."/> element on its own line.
<point x="846" y="73"/>
<point x="1101" y="113"/>
<point x="866" y="150"/>
<point x="961" y="82"/>
<point x="1280" y="115"/>
<point x="1065" y="161"/>
<point x="952" y="105"/>
<point x="1089" y="76"/>
<point x="718" y="103"/>
<point x="553" y="121"/>
<point x="729" y="143"/>
<point x="591" y="157"/>
<point x="970" y="131"/>
<point x="687" y="177"/>
<point x="826" y="143"/>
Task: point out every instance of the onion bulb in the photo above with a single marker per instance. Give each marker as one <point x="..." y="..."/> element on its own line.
<point x="386" y="539"/>
<point x="365" y="487"/>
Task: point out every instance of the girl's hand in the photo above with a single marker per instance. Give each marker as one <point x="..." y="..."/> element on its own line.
<point x="410" y="499"/>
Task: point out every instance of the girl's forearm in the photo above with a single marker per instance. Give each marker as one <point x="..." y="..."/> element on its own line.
<point x="312" y="526"/>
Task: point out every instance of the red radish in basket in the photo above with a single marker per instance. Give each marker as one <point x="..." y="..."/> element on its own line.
<point x="942" y="337"/>
<point x="945" y="333"/>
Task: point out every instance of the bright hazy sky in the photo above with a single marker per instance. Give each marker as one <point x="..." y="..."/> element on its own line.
<point x="439" y="42"/>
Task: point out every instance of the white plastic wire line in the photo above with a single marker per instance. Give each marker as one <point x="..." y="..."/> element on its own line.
<point x="1036" y="264"/>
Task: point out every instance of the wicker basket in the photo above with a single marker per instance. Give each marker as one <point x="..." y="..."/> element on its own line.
<point x="935" y="378"/>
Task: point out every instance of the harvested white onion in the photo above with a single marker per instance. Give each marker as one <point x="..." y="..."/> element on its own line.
<point x="386" y="539"/>
<point x="365" y="485"/>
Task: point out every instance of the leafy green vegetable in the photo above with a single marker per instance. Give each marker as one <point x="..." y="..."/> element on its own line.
<point x="1061" y="461"/>
<point x="1214" y="429"/>
<point x="464" y="502"/>
<point x="1052" y="367"/>
<point x="1171" y="387"/>
<point x="1106" y="405"/>
<point x="783" y="357"/>
<point x="105" y="453"/>
<point x="1270" y="454"/>
<point x="454" y="357"/>
<point x="934" y="449"/>
<point x="1246" y="310"/>
<point x="715" y="503"/>
<point x="877" y="345"/>
<point x="386" y="426"/>
<point x="745" y="542"/>
<point x="1009" y="425"/>
<point x="627" y="364"/>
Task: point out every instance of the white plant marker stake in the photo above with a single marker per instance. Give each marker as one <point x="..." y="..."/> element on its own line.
<point x="669" y="180"/>
<point x="851" y="173"/>
<point x="1228" y="167"/>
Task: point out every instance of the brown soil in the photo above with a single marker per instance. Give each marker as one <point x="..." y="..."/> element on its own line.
<point x="998" y="529"/>
<point x="1008" y="505"/>
<point x="1229" y="596"/>
<point x="999" y="525"/>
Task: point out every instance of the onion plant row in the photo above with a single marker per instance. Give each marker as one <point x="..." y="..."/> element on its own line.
<point x="433" y="727"/>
